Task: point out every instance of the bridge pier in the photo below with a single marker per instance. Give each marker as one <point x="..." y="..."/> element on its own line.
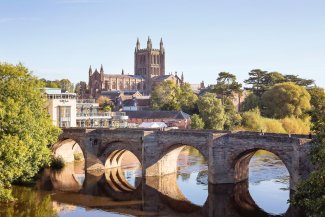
<point x="228" y="154"/>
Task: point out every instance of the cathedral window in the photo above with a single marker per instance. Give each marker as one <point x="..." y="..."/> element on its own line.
<point x="114" y="85"/>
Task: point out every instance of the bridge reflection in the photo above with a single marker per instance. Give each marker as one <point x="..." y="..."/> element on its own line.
<point x="152" y="196"/>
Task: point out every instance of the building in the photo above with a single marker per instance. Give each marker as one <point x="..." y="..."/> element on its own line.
<point x="149" y="70"/>
<point x="68" y="111"/>
<point x="177" y="119"/>
<point x="61" y="107"/>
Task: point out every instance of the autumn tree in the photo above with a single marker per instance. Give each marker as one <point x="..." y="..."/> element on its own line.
<point x="285" y="100"/>
<point x="105" y="103"/>
<point x="212" y="111"/>
<point x="26" y="130"/>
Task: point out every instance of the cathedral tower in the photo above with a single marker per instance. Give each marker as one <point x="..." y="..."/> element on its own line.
<point x="149" y="62"/>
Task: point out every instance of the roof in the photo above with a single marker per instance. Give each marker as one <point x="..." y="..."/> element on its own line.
<point x="152" y="125"/>
<point x="123" y="76"/>
<point x="158" y="114"/>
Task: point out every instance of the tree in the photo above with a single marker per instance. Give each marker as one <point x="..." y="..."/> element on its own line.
<point x="251" y="101"/>
<point x="317" y="102"/>
<point x="187" y="99"/>
<point x="105" y="103"/>
<point x="165" y="96"/>
<point x="285" y="100"/>
<point x="311" y="192"/>
<point x="212" y="111"/>
<point x="226" y="85"/>
<point x="197" y="122"/>
<point x="232" y="118"/>
<point x="66" y="85"/>
<point x="26" y="129"/>
<point x="258" y="82"/>
<point x="299" y="81"/>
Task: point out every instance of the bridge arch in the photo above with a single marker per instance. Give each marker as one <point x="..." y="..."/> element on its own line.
<point x="69" y="149"/>
<point x="241" y="162"/>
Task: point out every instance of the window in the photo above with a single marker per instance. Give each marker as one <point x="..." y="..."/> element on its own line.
<point x="64" y="116"/>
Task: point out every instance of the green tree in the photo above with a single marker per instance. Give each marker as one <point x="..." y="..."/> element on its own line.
<point x="286" y="99"/>
<point x="197" y="122"/>
<point x="257" y="80"/>
<point x="66" y="85"/>
<point x="165" y="96"/>
<point x="252" y="120"/>
<point x="251" y="101"/>
<point x="317" y="102"/>
<point x="299" y="81"/>
<point x="187" y="99"/>
<point x="226" y="85"/>
<point x="232" y="118"/>
<point x="212" y="111"/>
<point x="26" y="129"/>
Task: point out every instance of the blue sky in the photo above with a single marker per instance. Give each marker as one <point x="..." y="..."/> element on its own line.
<point x="61" y="38"/>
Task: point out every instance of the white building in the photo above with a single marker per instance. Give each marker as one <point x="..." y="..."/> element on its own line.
<point x="61" y="107"/>
<point x="67" y="111"/>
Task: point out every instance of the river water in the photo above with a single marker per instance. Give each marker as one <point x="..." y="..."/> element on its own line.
<point x="122" y="192"/>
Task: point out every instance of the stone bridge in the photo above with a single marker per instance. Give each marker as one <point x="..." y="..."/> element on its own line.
<point x="227" y="153"/>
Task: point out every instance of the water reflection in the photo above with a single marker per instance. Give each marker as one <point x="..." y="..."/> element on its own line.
<point x="269" y="182"/>
<point x="122" y="192"/>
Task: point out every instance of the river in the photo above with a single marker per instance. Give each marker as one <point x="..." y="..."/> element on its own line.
<point x="70" y="192"/>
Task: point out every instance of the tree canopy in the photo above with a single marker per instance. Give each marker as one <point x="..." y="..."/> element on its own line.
<point x="168" y="96"/>
<point x="64" y="84"/>
<point x="26" y="129"/>
<point x="285" y="100"/>
<point x="212" y="111"/>
<point x="226" y="85"/>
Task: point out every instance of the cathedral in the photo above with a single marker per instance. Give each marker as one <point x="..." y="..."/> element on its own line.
<point x="149" y="70"/>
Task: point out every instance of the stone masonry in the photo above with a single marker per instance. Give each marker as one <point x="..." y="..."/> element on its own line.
<point x="228" y="153"/>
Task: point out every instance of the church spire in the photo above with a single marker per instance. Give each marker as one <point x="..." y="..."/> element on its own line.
<point x="138" y="45"/>
<point x="122" y="71"/>
<point x="101" y="68"/>
<point x="182" y="77"/>
<point x="162" y="49"/>
<point x="90" y="71"/>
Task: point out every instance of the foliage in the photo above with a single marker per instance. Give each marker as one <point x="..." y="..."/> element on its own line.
<point x="310" y="193"/>
<point x="232" y="118"/>
<point x="57" y="163"/>
<point x="197" y="122"/>
<point x="26" y="129"/>
<point x="29" y="204"/>
<point x="212" y="111"/>
<point x="105" y="103"/>
<point x="78" y="156"/>
<point x="165" y="96"/>
<point x="257" y="81"/>
<point x="262" y="81"/>
<point x="187" y="99"/>
<point x="252" y="120"/>
<point x="64" y="84"/>
<point x="251" y="101"/>
<point x="317" y="102"/>
<point x="296" y="125"/>
<point x="226" y="85"/>
<point x="168" y="96"/>
<point x="285" y="100"/>
<point x="273" y="126"/>
<point x="80" y="88"/>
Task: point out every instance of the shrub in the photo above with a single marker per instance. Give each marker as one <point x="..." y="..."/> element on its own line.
<point x="296" y="125"/>
<point x="78" y="156"/>
<point x="273" y="126"/>
<point x="252" y="120"/>
<point x="57" y="163"/>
